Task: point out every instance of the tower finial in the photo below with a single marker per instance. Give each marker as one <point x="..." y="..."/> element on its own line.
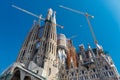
<point x="54" y="18"/>
<point x="49" y="14"/>
<point x="50" y="11"/>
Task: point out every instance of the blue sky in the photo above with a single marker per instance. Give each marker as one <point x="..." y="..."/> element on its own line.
<point x="14" y="25"/>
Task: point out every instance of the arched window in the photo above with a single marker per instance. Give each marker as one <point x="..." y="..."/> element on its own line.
<point x="93" y="69"/>
<point x="106" y="68"/>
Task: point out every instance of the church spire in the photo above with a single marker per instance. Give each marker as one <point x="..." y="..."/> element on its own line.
<point x="49" y="14"/>
<point x="54" y="17"/>
<point x="28" y="48"/>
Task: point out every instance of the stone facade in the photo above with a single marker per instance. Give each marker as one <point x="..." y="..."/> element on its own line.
<point x="92" y="64"/>
<point x="45" y="55"/>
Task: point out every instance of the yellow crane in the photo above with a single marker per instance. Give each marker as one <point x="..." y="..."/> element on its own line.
<point x="87" y="17"/>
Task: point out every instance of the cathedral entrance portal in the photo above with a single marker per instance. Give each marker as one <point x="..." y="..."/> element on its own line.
<point x="16" y="75"/>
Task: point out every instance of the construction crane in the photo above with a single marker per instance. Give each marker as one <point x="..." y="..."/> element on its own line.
<point x="30" y="13"/>
<point x="91" y="30"/>
<point x="87" y="17"/>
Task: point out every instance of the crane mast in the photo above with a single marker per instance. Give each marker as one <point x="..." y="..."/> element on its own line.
<point x="87" y="18"/>
<point x="91" y="29"/>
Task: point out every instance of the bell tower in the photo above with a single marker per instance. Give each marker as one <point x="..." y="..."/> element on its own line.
<point x="46" y="56"/>
<point x="28" y="47"/>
